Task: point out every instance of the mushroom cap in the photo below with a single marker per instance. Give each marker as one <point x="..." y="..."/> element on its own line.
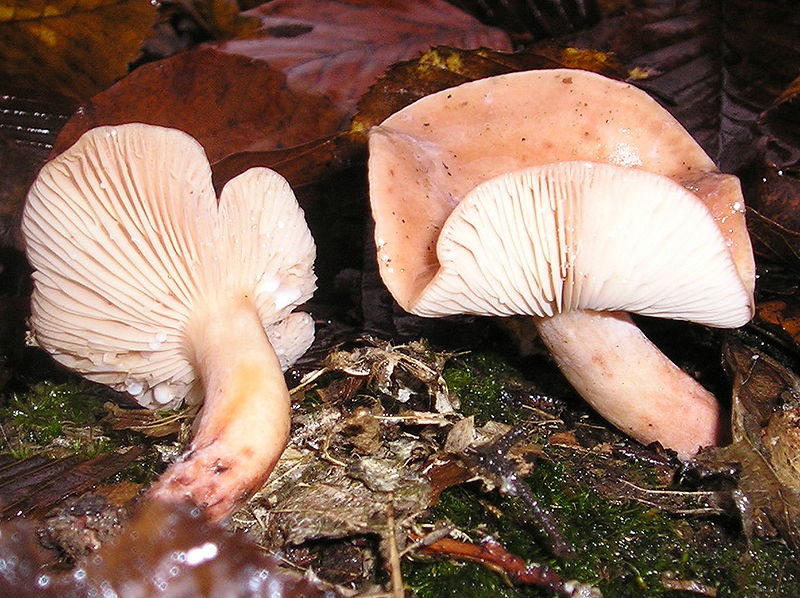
<point x="426" y="158"/>
<point x="129" y="245"/>
<point x="589" y="236"/>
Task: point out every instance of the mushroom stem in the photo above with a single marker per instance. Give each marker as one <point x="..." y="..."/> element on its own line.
<point x="630" y="382"/>
<point x="244" y="424"/>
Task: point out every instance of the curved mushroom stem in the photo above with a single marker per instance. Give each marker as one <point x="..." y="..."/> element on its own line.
<point x="628" y="381"/>
<point x="244" y="424"/>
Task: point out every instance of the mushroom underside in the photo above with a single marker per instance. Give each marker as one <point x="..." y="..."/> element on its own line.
<point x="144" y="281"/>
<point x="574" y="244"/>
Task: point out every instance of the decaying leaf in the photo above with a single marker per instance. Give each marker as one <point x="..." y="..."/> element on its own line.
<point x="228" y="103"/>
<point x="357" y="463"/>
<point x="529" y="21"/>
<point x="398" y="371"/>
<point x="294" y="81"/>
<point x="338" y="48"/>
<point x="76" y="48"/>
<point x="772" y="240"/>
<point x="715" y="65"/>
<point x="147" y="421"/>
<point x="781" y="125"/>
<point x="445" y="67"/>
<point x="764" y="448"/>
<point x="781" y="317"/>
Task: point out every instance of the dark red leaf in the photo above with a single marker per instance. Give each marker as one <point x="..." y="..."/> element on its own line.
<point x="715" y="65"/>
<point x="228" y="103"/>
<point x="338" y="48"/>
<point x="295" y="80"/>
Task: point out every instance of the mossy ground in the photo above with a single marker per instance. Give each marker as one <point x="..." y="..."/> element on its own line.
<point x="627" y="549"/>
<point x="67" y="418"/>
<point x="624" y="548"/>
<point x="63" y="414"/>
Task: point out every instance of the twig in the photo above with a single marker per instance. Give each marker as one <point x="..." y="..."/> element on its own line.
<point x="492" y="555"/>
<point x="492" y="459"/>
<point x="398" y="590"/>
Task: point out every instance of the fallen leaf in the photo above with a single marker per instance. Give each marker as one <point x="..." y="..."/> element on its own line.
<point x="763" y="391"/>
<point x="294" y="81"/>
<point x="146" y="421"/>
<point x="781" y="316"/>
<point x="715" y="65"/>
<point x="302" y="165"/>
<point x="445" y="67"/>
<point x="529" y="21"/>
<point x="773" y="241"/>
<point x="219" y="19"/>
<point x="338" y="48"/>
<point x="228" y="103"/>
<point x="774" y="181"/>
<point x="76" y="48"/>
<point x="781" y="125"/>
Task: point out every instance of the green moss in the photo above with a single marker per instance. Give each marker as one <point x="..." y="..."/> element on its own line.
<point x="624" y="549"/>
<point x="445" y="579"/>
<point x="50" y="412"/>
<point x="478" y="381"/>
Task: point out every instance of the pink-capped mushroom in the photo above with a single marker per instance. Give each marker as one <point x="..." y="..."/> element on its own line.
<point x="574" y="199"/>
<point x="145" y="282"/>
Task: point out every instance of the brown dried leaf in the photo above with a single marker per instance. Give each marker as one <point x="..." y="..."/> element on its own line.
<point x="338" y="48"/>
<point x="532" y="19"/>
<point x="762" y="390"/>
<point x="74" y="48"/>
<point x="781" y="125"/>
<point x="715" y="65"/>
<point x="774" y="188"/>
<point x="219" y="19"/>
<point x="781" y="316"/>
<point x="146" y="421"/>
<point x="445" y="67"/>
<point x="771" y="240"/>
<point x="294" y="81"/>
<point x="302" y="165"/>
<point x="228" y="103"/>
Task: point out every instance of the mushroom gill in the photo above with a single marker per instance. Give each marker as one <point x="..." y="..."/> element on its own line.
<point x="145" y="282"/>
<point x="572" y="198"/>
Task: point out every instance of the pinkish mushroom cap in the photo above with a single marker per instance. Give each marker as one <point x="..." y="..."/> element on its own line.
<point x="565" y="195"/>
<point x="144" y="282"/>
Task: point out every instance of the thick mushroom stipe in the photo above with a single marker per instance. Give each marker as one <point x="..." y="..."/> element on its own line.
<point x="558" y="191"/>
<point x="244" y="425"/>
<point x="144" y="282"/>
<point x="635" y="388"/>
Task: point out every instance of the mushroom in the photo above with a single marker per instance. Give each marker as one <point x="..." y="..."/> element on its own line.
<point x="572" y="198"/>
<point x="144" y="282"/>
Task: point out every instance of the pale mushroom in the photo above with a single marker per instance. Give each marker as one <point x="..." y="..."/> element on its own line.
<point x="572" y="198"/>
<point x="144" y="282"/>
